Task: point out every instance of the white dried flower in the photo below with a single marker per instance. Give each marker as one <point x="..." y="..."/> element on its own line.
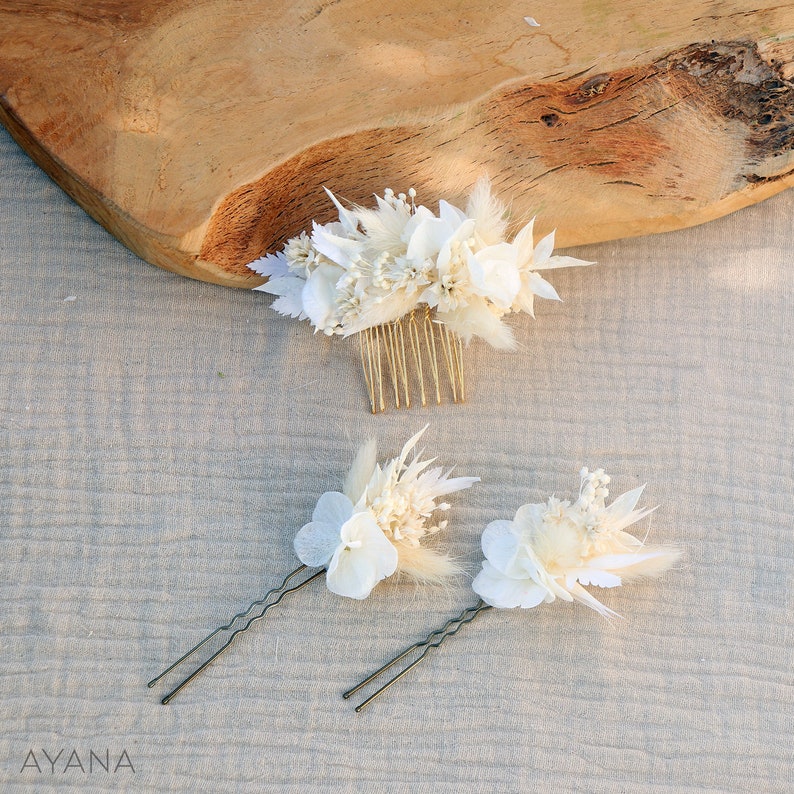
<point x="373" y="266"/>
<point x="376" y="526"/>
<point x="553" y="550"/>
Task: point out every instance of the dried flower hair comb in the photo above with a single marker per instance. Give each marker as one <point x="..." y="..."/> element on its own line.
<point x="413" y="285"/>
<point x="370" y="530"/>
<point x="550" y="551"/>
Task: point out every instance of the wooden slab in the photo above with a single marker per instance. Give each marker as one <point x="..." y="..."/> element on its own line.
<point x="200" y="132"/>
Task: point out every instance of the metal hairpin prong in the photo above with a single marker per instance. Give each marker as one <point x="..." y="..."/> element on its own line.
<point x="431" y="351"/>
<point x="281" y="591"/>
<point x="447" y="630"/>
<point x="228" y="625"/>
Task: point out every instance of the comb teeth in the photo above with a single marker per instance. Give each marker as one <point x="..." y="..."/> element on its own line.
<point x="415" y="355"/>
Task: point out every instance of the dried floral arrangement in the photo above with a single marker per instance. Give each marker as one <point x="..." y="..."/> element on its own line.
<point x="551" y="551"/>
<point x="413" y="285"/>
<point x="359" y="536"/>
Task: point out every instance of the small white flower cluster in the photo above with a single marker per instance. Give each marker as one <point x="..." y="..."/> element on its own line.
<point x="375" y="527"/>
<point x="373" y="266"/>
<point x="552" y="550"/>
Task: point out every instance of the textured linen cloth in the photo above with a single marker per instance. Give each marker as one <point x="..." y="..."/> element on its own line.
<point x="162" y="440"/>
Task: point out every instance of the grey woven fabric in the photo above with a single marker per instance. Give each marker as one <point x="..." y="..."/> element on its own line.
<point x="161" y="441"/>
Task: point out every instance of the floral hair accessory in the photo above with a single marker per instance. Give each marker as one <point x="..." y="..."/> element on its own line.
<point x="549" y="551"/>
<point x="414" y="285"/>
<point x="359" y="536"/>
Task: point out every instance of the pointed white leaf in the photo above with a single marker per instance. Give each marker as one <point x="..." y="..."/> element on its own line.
<point x="525" y="302"/>
<point x="561" y="261"/>
<point x="270" y="265"/>
<point x="650" y="563"/>
<point x="340" y="250"/>
<point x="583" y="597"/>
<point x="524" y="245"/>
<point x="543" y="250"/>
<point x="281" y="285"/>
<point x="346" y="217"/>
<point x="450" y="214"/>
<point x="541" y="287"/>
<point x="592" y="576"/>
<point x="290" y="306"/>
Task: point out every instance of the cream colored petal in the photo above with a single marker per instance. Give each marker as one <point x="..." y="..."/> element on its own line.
<point x="494" y="278"/>
<point x="529" y="518"/>
<point x="351" y="574"/>
<point x="319" y="296"/>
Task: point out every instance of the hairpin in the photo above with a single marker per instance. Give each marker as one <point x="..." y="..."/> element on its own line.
<point x="357" y="537"/>
<point x="414" y="286"/>
<point x="550" y="551"/>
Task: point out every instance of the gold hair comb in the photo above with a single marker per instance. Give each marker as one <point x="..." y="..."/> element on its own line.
<point x="415" y="286"/>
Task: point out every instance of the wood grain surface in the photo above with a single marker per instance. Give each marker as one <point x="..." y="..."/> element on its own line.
<point x="201" y="133"/>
